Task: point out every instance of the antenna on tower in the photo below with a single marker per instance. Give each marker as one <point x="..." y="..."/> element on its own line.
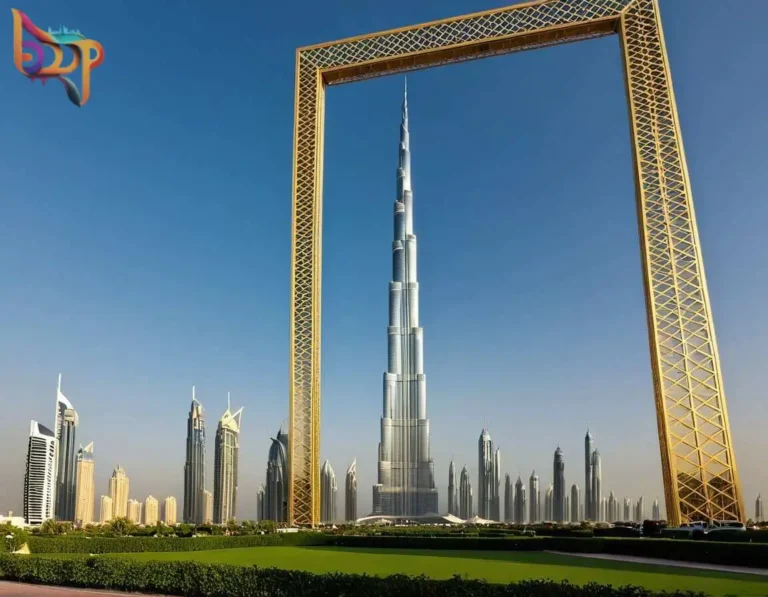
<point x="59" y="386"/>
<point x="193" y="393"/>
<point x="228" y="406"/>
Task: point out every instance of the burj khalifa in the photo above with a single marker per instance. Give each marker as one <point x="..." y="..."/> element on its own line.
<point x="406" y="484"/>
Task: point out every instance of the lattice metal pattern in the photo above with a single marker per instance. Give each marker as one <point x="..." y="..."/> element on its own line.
<point x="699" y="470"/>
<point x="677" y="289"/>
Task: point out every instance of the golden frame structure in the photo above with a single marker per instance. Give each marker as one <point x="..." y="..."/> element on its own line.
<point x="699" y="470"/>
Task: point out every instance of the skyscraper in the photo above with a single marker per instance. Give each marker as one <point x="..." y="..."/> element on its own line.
<point x="84" y="486"/>
<point x="656" y="511"/>
<point x="350" y="493"/>
<point x="558" y="503"/>
<point x="509" y="500"/>
<point x="261" y="502"/>
<point x="603" y="509"/>
<point x="465" y="495"/>
<point x="627" y="507"/>
<point x="520" y="501"/>
<point x="567" y="507"/>
<point x="134" y="511"/>
<point x="151" y="514"/>
<point x="169" y="510"/>
<point x="496" y="486"/>
<point x="40" y="475"/>
<point x="549" y="506"/>
<point x="535" y="498"/>
<point x="119" y="485"/>
<point x="276" y="491"/>
<point x="611" y="512"/>
<point x="453" y="496"/>
<point x="194" y="466"/>
<point x="207" y="507"/>
<point x="596" y="491"/>
<point x="640" y="509"/>
<point x="225" y="465"/>
<point x="328" y="491"/>
<point x="485" y="475"/>
<point x="105" y="509"/>
<point x="575" y="503"/>
<point x="589" y="446"/>
<point x="66" y="425"/>
<point x="759" y="513"/>
<point x="406" y="479"/>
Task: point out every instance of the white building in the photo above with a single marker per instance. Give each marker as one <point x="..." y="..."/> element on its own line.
<point x="40" y="477"/>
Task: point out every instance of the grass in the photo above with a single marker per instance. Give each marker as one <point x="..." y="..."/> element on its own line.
<point x="496" y="567"/>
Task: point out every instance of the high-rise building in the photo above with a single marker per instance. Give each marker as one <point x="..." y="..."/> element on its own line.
<point x="406" y="472"/>
<point x="261" y="499"/>
<point x="207" y="507"/>
<point x="627" y="508"/>
<point x="119" y="485"/>
<point x="276" y="491"/>
<point x="596" y="491"/>
<point x="169" y="510"/>
<point x="40" y="475"/>
<point x="465" y="495"/>
<point x="575" y="503"/>
<point x="194" y="466"/>
<point x="520" y="501"/>
<point x="134" y="511"/>
<point x="453" y="495"/>
<point x="496" y="486"/>
<point x="603" y="509"/>
<point x="350" y="493"/>
<point x="328" y="492"/>
<point x="535" y="511"/>
<point x="640" y="509"/>
<point x="485" y="476"/>
<point x="567" y="508"/>
<point x="105" y="509"/>
<point x="589" y="447"/>
<point x="509" y="500"/>
<point x="558" y="503"/>
<point x="612" y="512"/>
<point x="84" y="486"/>
<point x="66" y="425"/>
<point x="549" y="505"/>
<point x="759" y="513"/>
<point x="225" y="465"/>
<point x="656" y="510"/>
<point x="151" y="514"/>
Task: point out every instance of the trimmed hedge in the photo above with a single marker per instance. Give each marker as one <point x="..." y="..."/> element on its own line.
<point x="462" y="543"/>
<point x="80" y="544"/>
<point x="193" y="579"/>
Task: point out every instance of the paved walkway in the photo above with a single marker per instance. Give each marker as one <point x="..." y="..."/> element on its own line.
<point x="18" y="589"/>
<point x="660" y="562"/>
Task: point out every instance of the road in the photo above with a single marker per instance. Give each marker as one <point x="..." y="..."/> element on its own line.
<point x="17" y="589"/>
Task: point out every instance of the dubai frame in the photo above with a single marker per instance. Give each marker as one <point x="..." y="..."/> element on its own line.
<point x="699" y="470"/>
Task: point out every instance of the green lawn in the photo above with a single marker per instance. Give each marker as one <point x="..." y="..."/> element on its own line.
<point x="497" y="567"/>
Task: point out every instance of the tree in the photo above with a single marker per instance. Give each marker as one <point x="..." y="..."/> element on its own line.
<point x="119" y="527"/>
<point x="231" y="526"/>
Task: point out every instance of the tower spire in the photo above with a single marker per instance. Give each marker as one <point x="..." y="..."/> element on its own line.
<point x="228" y="402"/>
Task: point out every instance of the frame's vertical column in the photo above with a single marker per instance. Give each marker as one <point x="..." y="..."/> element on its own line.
<point x="700" y="477"/>
<point x="304" y="432"/>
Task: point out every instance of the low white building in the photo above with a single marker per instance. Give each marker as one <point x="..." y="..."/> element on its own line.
<point x="17" y="521"/>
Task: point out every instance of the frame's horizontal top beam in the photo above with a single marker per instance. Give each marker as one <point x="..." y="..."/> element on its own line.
<point x="470" y="51"/>
<point x="473" y="15"/>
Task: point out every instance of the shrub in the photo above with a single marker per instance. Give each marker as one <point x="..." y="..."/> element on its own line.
<point x="80" y="544"/>
<point x="193" y="579"/>
<point x="12" y="538"/>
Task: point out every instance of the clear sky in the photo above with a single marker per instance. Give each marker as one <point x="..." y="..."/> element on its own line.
<point x="145" y="240"/>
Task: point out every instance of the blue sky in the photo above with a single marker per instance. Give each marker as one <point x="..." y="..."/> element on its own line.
<point x="145" y="240"/>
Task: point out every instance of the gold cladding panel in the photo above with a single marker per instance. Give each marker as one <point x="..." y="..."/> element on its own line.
<point x="699" y="471"/>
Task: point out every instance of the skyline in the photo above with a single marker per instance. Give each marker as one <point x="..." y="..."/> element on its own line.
<point x="101" y="379"/>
